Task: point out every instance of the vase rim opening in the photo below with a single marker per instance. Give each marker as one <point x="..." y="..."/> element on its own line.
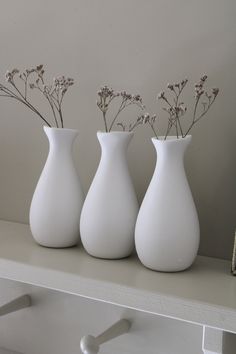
<point x="115" y="132"/>
<point x="162" y="139"/>
<point x="46" y="127"/>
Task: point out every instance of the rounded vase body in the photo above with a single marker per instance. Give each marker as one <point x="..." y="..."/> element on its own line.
<point x="167" y="229"/>
<point x="58" y="197"/>
<point x="110" y="209"/>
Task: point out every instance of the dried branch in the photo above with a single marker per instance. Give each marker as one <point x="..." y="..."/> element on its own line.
<point x="106" y="95"/>
<point x="54" y="93"/>
<point x="177" y="109"/>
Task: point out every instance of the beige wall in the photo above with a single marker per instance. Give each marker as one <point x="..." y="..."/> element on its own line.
<point x="134" y="45"/>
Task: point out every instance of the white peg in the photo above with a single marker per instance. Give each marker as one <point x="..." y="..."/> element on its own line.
<point x="90" y="344"/>
<point x="15" y="305"/>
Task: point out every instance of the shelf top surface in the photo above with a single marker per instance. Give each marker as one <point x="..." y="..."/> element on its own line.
<point x="207" y="286"/>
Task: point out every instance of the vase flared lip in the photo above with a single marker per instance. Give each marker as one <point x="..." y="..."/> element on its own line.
<point x="114" y="132"/>
<point x="171" y="138"/>
<point x="47" y="128"/>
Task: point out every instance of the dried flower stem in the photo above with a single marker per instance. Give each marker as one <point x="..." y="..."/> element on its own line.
<point x="147" y="119"/>
<point x="177" y="110"/>
<point x="122" y="106"/>
<point x="195" y="120"/>
<point x="11" y="94"/>
<point x="168" y="130"/>
<point x="105" y="121"/>
<point x="49" y="99"/>
<point x="53" y="93"/>
<point x="152" y="127"/>
<point x="106" y="95"/>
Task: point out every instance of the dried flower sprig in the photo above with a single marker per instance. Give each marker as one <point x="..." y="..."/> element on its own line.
<point x="147" y="119"/>
<point x="142" y="119"/>
<point x="106" y="95"/>
<point x="34" y="79"/>
<point x="176" y="109"/>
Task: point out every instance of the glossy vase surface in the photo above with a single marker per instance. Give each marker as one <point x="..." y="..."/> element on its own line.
<point x="58" y="197"/>
<point x="110" y="209"/>
<point x="167" y="229"/>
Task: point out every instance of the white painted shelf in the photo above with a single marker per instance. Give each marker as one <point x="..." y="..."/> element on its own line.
<point x="204" y="294"/>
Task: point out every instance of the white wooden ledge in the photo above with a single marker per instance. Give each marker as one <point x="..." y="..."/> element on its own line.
<point x="204" y="294"/>
<point x="215" y="341"/>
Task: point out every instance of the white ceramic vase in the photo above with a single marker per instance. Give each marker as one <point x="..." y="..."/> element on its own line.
<point x="110" y="209"/>
<point x="167" y="228"/>
<point x="58" y="197"/>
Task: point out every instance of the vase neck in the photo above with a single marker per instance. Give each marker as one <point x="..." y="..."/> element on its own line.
<point x="60" y="139"/>
<point x="114" y="143"/>
<point x="172" y="148"/>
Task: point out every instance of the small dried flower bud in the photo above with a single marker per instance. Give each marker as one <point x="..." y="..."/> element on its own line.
<point x="8" y="76"/>
<point x="161" y="95"/>
<point x="15" y="71"/>
<point x="203" y="78"/>
<point x="153" y="118"/>
<point x="106" y="92"/>
<point x="184" y="82"/>
<point x="146" y="117"/>
<point x="39" y="67"/>
<point x="70" y="81"/>
<point x="137" y="98"/>
<point x="143" y="118"/>
<point x="170" y="86"/>
<point x="199" y="93"/>
<point x="182" y="108"/>
<point x="215" y="91"/>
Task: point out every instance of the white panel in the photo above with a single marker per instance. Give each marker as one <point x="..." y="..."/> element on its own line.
<point x="56" y="322"/>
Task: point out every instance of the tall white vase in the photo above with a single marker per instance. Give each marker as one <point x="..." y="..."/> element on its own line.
<point x="110" y="209"/>
<point x="167" y="228"/>
<point x="58" y="198"/>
